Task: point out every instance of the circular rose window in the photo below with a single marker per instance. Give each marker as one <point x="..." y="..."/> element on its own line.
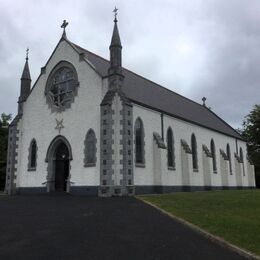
<point x="61" y="87"/>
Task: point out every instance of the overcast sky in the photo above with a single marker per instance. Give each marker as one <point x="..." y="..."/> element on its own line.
<point x="196" y="48"/>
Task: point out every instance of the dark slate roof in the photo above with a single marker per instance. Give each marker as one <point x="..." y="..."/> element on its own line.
<point x="147" y="93"/>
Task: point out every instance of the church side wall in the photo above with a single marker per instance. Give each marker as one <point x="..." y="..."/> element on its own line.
<point x="183" y="130"/>
<point x="39" y="122"/>
<point x="151" y="123"/>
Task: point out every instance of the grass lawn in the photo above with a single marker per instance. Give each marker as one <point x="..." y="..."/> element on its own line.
<point x="232" y="215"/>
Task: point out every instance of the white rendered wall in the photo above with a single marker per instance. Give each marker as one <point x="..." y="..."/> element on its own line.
<point x="39" y="122"/>
<point x="183" y="130"/>
<point x="151" y="123"/>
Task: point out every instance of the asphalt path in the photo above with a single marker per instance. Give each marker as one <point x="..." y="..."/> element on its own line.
<point x="71" y="227"/>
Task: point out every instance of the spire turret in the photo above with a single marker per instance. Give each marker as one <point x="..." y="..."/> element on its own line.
<point x="26" y="72"/>
<point x="115" y="49"/>
<point x="25" y="82"/>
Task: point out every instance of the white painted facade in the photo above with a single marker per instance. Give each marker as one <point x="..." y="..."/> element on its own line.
<point x="39" y="122"/>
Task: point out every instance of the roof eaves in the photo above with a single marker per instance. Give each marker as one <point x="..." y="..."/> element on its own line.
<point x="187" y="120"/>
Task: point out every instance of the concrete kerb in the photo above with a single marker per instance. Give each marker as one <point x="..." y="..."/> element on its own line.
<point x="215" y="239"/>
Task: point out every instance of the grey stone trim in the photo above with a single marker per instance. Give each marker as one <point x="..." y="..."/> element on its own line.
<point x="43" y="70"/>
<point x="107" y="187"/>
<point x="153" y="189"/>
<point x="237" y="157"/>
<point x="127" y="135"/>
<point x="106" y="142"/>
<point x="91" y="191"/>
<point x="206" y="150"/>
<point x="224" y="155"/>
<point x="138" y="189"/>
<point x="185" y="146"/>
<point x="29" y="165"/>
<point x="10" y="186"/>
<point x="82" y="56"/>
<point x="86" y="163"/>
<point x="159" y="141"/>
<point x="52" y="106"/>
<point x="140" y="164"/>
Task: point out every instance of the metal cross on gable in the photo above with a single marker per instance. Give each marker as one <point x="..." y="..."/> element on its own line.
<point x="64" y="25"/>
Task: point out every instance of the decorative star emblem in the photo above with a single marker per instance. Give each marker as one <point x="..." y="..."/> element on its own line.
<point x="59" y="125"/>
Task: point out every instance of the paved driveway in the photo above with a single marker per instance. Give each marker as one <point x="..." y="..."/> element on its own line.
<point x="70" y="227"/>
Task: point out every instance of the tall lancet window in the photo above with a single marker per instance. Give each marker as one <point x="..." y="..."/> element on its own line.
<point x="242" y="159"/>
<point x="194" y="153"/>
<point x="32" y="160"/>
<point x="170" y="149"/>
<point x="139" y="142"/>
<point x="229" y="158"/>
<point x="90" y="149"/>
<point x="213" y="152"/>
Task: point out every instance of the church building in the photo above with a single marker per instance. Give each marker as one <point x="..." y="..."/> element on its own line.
<point x="90" y="126"/>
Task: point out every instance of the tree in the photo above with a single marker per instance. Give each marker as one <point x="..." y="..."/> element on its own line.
<point x="4" y="122"/>
<point x="251" y="132"/>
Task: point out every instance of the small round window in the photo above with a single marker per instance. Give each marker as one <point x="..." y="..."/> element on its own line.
<point x="61" y="86"/>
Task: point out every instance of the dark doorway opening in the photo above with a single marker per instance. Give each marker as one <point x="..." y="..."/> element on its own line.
<point x="61" y="167"/>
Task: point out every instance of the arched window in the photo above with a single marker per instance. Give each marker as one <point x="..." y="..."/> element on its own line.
<point x="194" y="152"/>
<point x="32" y="162"/>
<point x="229" y="158"/>
<point x="213" y="152"/>
<point x="90" y="149"/>
<point x="242" y="158"/>
<point x="139" y="142"/>
<point x="170" y="148"/>
<point x="241" y="154"/>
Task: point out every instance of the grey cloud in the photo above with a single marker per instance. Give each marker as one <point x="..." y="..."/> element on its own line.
<point x="224" y="35"/>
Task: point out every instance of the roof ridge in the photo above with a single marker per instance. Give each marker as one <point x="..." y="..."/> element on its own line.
<point x="198" y="105"/>
<point x="188" y="99"/>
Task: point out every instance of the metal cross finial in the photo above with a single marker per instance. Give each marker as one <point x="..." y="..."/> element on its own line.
<point x="204" y="101"/>
<point x="27" y="53"/>
<point x="64" y="25"/>
<point x="115" y="11"/>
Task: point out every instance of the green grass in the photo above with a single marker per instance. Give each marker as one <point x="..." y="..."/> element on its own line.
<point x="232" y="215"/>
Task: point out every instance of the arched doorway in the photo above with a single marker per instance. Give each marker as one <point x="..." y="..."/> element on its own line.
<point x="61" y="166"/>
<point x="58" y="158"/>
